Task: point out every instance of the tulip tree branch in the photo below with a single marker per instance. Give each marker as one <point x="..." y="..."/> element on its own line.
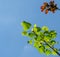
<point x="49" y="45"/>
<point x="52" y="48"/>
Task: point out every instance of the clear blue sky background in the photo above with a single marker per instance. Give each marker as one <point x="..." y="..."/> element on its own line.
<point x="12" y="13"/>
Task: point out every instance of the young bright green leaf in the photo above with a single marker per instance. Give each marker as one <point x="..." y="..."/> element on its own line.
<point x="53" y="42"/>
<point x="31" y="35"/>
<point x="47" y="52"/>
<point x="36" y="30"/>
<point x="24" y="33"/>
<point x="30" y="41"/>
<point x="47" y="38"/>
<point x="39" y="38"/>
<point x="41" y="34"/>
<point x="45" y="28"/>
<point x="26" y="25"/>
<point x="53" y="34"/>
<point x="36" y="44"/>
<point x="35" y="25"/>
<point x="41" y="49"/>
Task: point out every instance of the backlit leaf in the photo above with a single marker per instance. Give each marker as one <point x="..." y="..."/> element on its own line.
<point x="24" y="33"/>
<point x="30" y="41"/>
<point x="41" y="49"/>
<point x="31" y="35"/>
<point x="53" y="34"/>
<point x="36" y="30"/>
<point x="53" y="42"/>
<point x="47" y="52"/>
<point x="36" y="44"/>
<point x="26" y="25"/>
<point x="47" y="38"/>
<point x="35" y="25"/>
<point x="45" y="28"/>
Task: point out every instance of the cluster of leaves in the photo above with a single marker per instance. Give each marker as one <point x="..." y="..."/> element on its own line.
<point x="51" y="6"/>
<point x="39" y="37"/>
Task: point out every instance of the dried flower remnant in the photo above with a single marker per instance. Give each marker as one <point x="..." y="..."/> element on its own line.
<point x="51" y="6"/>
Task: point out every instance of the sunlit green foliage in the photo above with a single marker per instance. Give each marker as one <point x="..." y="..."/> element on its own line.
<point x="31" y="34"/>
<point x="42" y="39"/>
<point x="26" y="25"/>
<point x="45" y="28"/>
<point x="47" y="52"/>
<point x="52" y="34"/>
<point x="30" y="41"/>
<point x="41" y="49"/>
<point x="24" y="33"/>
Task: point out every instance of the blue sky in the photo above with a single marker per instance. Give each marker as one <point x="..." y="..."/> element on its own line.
<point x="12" y="13"/>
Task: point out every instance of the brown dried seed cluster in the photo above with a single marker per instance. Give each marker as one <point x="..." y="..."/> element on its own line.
<point x="51" y="6"/>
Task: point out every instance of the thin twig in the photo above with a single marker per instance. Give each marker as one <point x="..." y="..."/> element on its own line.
<point x="52" y="48"/>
